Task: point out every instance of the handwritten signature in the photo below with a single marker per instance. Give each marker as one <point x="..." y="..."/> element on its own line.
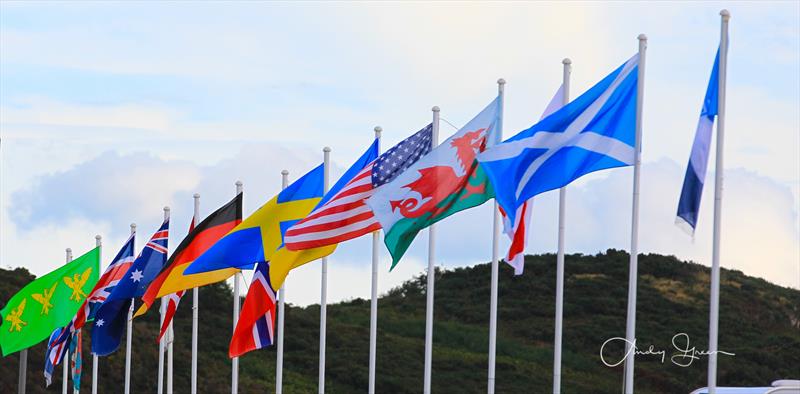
<point x="683" y="356"/>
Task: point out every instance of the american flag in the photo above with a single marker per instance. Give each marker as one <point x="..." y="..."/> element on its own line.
<point x="345" y="216"/>
<point x="256" y="326"/>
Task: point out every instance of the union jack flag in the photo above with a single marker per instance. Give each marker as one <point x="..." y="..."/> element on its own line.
<point x="345" y="215"/>
<point x="256" y="326"/>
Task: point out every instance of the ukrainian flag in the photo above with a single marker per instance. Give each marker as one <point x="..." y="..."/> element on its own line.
<point x="259" y="238"/>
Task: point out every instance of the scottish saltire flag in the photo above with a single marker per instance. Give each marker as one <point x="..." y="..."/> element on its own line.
<point x="109" y="321"/>
<point x="517" y="230"/>
<point x="256" y="326"/>
<point x="55" y="352"/>
<point x="596" y="131"/>
<point x="692" y="191"/>
<point x="260" y="236"/>
<point x="76" y="353"/>
<point x="345" y="215"/>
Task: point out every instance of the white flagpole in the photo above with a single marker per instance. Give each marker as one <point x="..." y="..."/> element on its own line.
<point x="562" y="222"/>
<point x="65" y="361"/>
<point x="713" y="325"/>
<point x="323" y="302"/>
<point x="495" y="258"/>
<point x="98" y="241"/>
<point x="373" y="306"/>
<point x="168" y="335"/>
<point x="431" y="275"/>
<point x="129" y="337"/>
<point x="630" y="326"/>
<point x="195" y="306"/>
<point x="236" y="306"/>
<point x="23" y="371"/>
<point x="281" y="311"/>
<point x="161" y="349"/>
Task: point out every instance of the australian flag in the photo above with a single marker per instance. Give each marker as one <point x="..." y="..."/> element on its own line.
<point x="109" y="321"/>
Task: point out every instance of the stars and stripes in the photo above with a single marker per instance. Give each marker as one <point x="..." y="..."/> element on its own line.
<point x="345" y="215"/>
<point x="256" y="326"/>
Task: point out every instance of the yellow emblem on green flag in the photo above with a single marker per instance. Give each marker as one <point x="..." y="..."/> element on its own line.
<point x="49" y="302"/>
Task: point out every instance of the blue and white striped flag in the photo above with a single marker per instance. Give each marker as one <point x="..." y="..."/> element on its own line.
<point x="692" y="191"/>
<point x="596" y="131"/>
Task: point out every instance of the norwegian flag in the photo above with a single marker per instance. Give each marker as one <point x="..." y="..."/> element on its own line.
<point x="256" y="326"/>
<point x="345" y="216"/>
<point x="172" y="301"/>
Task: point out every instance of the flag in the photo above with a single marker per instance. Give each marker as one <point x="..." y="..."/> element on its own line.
<point x="596" y="131"/>
<point x="256" y="326"/>
<point x="111" y="316"/>
<point x="76" y="352"/>
<point x="55" y="352"/>
<point x="345" y="216"/>
<point x="257" y="238"/>
<point x="517" y="230"/>
<point x="445" y="181"/>
<point x="172" y="280"/>
<point x="692" y="191"/>
<point x="49" y="302"/>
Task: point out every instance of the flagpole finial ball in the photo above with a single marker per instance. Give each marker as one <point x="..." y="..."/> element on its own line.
<point x="566" y="61"/>
<point x="69" y="250"/>
<point x="285" y="172"/>
<point x="725" y="14"/>
<point x="378" y="129"/>
<point x="196" y="195"/>
<point x="133" y="225"/>
<point x="642" y="37"/>
<point x="501" y="81"/>
<point x="326" y="149"/>
<point x="98" y="237"/>
<point x="239" y="183"/>
<point x="435" y="108"/>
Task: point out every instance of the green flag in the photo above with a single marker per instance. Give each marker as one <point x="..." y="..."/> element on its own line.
<point x="445" y="181"/>
<point x="47" y="303"/>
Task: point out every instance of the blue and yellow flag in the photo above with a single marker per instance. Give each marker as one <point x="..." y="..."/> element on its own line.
<point x="259" y="238"/>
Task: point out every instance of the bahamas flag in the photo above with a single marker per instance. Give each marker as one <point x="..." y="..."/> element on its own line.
<point x="259" y="237"/>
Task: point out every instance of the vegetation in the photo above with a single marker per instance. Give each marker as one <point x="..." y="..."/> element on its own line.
<point x="759" y="322"/>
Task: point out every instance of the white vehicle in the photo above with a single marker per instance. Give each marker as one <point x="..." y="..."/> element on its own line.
<point x="785" y="386"/>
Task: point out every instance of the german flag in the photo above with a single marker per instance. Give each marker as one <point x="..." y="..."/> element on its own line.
<point x="208" y="232"/>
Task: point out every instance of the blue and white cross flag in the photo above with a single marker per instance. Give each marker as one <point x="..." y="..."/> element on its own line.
<point x="594" y="132"/>
<point x="692" y="191"/>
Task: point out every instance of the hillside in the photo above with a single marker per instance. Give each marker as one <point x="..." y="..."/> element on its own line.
<point x="760" y="323"/>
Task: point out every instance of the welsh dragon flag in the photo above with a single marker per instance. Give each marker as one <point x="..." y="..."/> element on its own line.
<point x="445" y="181"/>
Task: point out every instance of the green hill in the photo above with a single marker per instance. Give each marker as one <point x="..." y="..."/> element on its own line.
<point x="759" y="322"/>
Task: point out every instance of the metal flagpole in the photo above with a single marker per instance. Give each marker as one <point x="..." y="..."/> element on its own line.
<point x="501" y="83"/>
<point x="129" y="338"/>
<point x="169" y="336"/>
<point x="630" y="326"/>
<point x="98" y="241"/>
<point x="562" y="221"/>
<point x="373" y="306"/>
<point x="713" y="325"/>
<point x="431" y="274"/>
<point x="236" y="306"/>
<point x="323" y="302"/>
<point x="162" y="310"/>
<point x="281" y="311"/>
<point x="23" y="371"/>
<point x="65" y="360"/>
<point x="195" y="306"/>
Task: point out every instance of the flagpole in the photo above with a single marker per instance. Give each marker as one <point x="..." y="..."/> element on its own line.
<point x="281" y="311"/>
<point x="23" y="371"/>
<point x="323" y="302"/>
<point x="236" y="306"/>
<point x="129" y="338"/>
<point x="713" y="325"/>
<point x="431" y="275"/>
<point x="169" y="335"/>
<point x="630" y="326"/>
<point x="501" y="83"/>
<point x="195" y="307"/>
<point x="98" y="241"/>
<point x="161" y="349"/>
<point x="373" y="306"/>
<point x="562" y="222"/>
<point x="65" y="374"/>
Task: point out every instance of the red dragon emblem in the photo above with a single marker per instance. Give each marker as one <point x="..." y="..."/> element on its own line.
<point x="437" y="183"/>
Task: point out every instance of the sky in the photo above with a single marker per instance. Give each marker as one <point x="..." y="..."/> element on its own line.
<point x="111" y="111"/>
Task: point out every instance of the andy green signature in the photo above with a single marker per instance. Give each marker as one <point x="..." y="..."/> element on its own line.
<point x="683" y="356"/>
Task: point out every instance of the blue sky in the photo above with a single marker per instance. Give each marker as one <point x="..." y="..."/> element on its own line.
<point x="109" y="111"/>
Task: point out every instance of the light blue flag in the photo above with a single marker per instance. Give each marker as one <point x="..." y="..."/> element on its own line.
<point x="594" y="132"/>
<point x="692" y="191"/>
